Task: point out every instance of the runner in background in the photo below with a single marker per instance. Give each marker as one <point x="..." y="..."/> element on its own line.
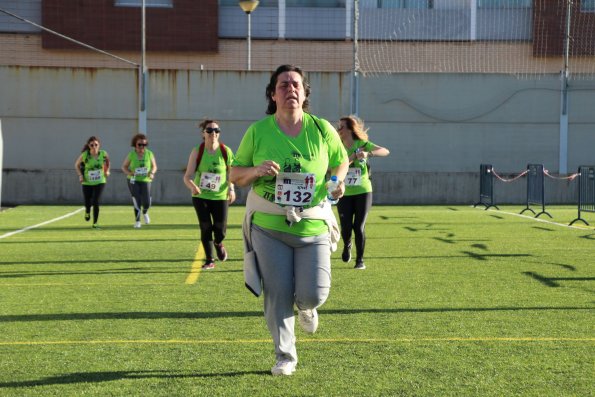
<point x="355" y="204"/>
<point x="93" y="168"/>
<point x="207" y="179"/>
<point x="140" y="168"/>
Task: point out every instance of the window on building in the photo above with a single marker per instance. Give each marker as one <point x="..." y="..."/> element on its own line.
<point x="315" y="3"/>
<point x="261" y="3"/>
<point x="504" y="3"/>
<point x="148" y="3"/>
<point x="588" y="5"/>
<point x="420" y="4"/>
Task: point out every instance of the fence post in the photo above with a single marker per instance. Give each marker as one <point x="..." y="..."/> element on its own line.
<point x="486" y="187"/>
<point x="535" y="189"/>
<point x="586" y="191"/>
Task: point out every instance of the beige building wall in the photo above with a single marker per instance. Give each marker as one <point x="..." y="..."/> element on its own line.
<point x="319" y="56"/>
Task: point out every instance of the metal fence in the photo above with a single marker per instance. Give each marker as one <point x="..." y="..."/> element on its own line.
<point x="586" y="191"/>
<point x="536" y="189"/>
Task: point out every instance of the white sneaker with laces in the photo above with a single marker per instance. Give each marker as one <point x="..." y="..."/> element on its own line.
<point x="308" y="320"/>
<point x="137" y="225"/>
<point x="147" y="219"/>
<point x="284" y="367"/>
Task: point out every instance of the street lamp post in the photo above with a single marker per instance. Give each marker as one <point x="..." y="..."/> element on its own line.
<point x="248" y="6"/>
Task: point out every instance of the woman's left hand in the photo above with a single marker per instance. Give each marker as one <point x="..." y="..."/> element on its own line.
<point x="339" y="191"/>
<point x="231" y="196"/>
<point x="361" y="155"/>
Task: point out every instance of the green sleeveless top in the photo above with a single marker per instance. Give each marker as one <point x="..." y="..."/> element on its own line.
<point x="140" y="168"/>
<point x="94" y="168"/>
<point x="211" y="174"/>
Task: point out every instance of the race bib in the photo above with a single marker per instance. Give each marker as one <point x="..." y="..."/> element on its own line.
<point x="141" y="171"/>
<point x="354" y="177"/>
<point x="294" y="188"/>
<point x="94" y="175"/>
<point x="210" y="181"/>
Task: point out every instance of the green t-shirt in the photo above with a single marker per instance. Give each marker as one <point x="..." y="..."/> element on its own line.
<point x="358" y="180"/>
<point x="211" y="175"/>
<point x="94" y="168"/>
<point x="311" y="152"/>
<point x="140" y="167"/>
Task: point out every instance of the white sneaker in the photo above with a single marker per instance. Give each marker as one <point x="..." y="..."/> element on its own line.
<point x="137" y="225"/>
<point x="284" y="367"/>
<point x="308" y="320"/>
<point x="147" y="219"/>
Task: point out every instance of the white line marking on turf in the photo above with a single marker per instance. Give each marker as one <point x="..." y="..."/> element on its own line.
<point x="41" y="224"/>
<point x="329" y="340"/>
<point x="538" y="220"/>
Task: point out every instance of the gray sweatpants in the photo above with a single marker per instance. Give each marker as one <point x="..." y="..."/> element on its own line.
<point x="296" y="270"/>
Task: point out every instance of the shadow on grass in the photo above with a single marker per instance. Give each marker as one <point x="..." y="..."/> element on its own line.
<point x="110" y="272"/>
<point x="547" y="229"/>
<point x="386" y="218"/>
<point x="483" y="257"/>
<point x="135" y="240"/>
<point x="95" y="241"/>
<point x="108" y="226"/>
<point x="448" y="240"/>
<point x="236" y="314"/>
<point x="95" y="261"/>
<point x="110" y="376"/>
<point x="554" y="281"/>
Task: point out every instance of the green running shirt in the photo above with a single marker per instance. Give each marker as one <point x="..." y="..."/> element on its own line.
<point x="312" y="152"/>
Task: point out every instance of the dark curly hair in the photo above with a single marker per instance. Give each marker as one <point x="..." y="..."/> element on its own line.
<point x="270" y="90"/>
<point x="138" y="137"/>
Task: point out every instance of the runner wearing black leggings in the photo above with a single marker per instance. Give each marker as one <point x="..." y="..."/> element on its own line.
<point x="93" y="168"/>
<point x="355" y="205"/>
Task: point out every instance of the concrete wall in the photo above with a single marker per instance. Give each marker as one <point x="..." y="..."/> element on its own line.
<point x="439" y="128"/>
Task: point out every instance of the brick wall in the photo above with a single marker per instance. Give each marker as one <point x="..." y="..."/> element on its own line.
<point x="332" y="56"/>
<point x="191" y="25"/>
<point x="549" y="24"/>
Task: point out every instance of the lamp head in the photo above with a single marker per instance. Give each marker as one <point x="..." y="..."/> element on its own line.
<point x="248" y="5"/>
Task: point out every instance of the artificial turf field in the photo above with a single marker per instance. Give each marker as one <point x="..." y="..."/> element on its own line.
<point x="455" y="301"/>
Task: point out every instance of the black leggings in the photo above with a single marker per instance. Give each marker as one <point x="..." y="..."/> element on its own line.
<point x="212" y="219"/>
<point x="141" y="197"/>
<point x="353" y="212"/>
<point x="92" y="193"/>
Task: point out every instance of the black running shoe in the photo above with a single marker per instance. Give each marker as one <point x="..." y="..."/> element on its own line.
<point x="346" y="255"/>
<point x="359" y="265"/>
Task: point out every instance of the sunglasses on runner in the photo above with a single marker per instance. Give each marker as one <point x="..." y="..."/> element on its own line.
<point x="210" y="130"/>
